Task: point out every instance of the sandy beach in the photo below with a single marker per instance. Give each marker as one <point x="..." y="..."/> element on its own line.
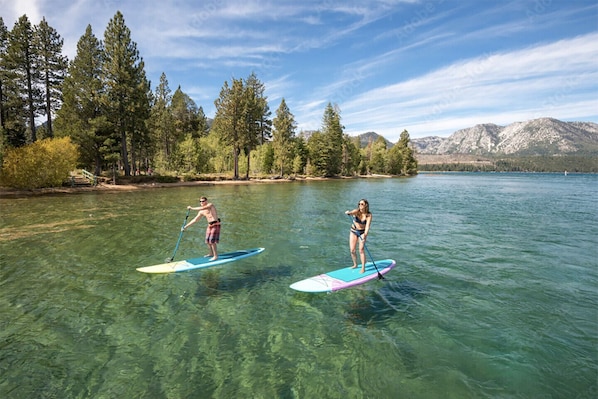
<point x="6" y="192"/>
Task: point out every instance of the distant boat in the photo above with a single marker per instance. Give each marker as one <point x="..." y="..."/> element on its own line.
<point x="565" y="173"/>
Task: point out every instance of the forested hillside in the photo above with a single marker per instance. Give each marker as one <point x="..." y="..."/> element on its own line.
<point x="103" y="102"/>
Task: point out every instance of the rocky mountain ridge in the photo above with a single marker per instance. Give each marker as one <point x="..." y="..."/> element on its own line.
<point x="543" y="136"/>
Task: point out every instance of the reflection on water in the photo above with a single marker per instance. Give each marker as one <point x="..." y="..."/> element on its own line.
<point x="393" y="300"/>
<point x="493" y="294"/>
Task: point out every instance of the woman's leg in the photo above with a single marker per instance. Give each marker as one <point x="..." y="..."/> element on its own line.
<point x="362" y="255"/>
<point x="352" y="245"/>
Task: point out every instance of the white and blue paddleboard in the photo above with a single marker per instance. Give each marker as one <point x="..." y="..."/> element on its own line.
<point x="344" y="278"/>
<point x="200" y="263"/>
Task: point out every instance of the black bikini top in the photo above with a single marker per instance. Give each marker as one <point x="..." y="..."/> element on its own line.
<point x="357" y="220"/>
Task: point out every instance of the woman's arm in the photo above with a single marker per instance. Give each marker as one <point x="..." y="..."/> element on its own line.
<point x="368" y="223"/>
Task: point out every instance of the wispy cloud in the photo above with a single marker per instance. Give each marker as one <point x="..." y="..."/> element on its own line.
<point x="532" y="82"/>
<point x="428" y="66"/>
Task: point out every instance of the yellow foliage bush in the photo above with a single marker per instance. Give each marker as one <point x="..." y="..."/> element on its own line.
<point x="45" y="163"/>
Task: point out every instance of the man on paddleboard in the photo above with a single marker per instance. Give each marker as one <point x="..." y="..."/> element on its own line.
<point x="208" y="210"/>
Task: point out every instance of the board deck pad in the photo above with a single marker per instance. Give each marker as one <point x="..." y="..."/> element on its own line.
<point x="200" y="263"/>
<point x="344" y="278"/>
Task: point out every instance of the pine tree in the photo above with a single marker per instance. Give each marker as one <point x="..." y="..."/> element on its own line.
<point x="52" y="66"/>
<point x="319" y="161"/>
<point x="301" y="154"/>
<point x="263" y="122"/>
<point x="81" y="115"/>
<point x="233" y="122"/>
<point x="401" y="160"/>
<point x="203" y="128"/>
<point x="395" y="160"/>
<point x="4" y="77"/>
<point x="184" y="128"/>
<point x="259" y="125"/>
<point x="140" y="140"/>
<point x="126" y="86"/>
<point x="351" y="156"/>
<point x="22" y="61"/>
<point x="284" y="133"/>
<point x="378" y="150"/>
<point x="409" y="162"/>
<point x="184" y="112"/>
<point x="161" y="120"/>
<point x="331" y="153"/>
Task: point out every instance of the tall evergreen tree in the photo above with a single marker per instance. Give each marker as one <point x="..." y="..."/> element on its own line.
<point x="140" y="108"/>
<point x="409" y="162"/>
<point x="184" y="128"/>
<point x="161" y="120"/>
<point x="401" y="160"/>
<point x="81" y="115"/>
<point x="318" y="163"/>
<point x="351" y="156"/>
<point x="262" y="122"/>
<point x="22" y="61"/>
<point x="377" y="163"/>
<point x="125" y="84"/>
<point x="331" y="152"/>
<point x="284" y="133"/>
<point x="203" y="127"/>
<point x="12" y="109"/>
<point x="231" y="122"/>
<point x="184" y="112"/>
<point x="4" y="76"/>
<point x="301" y="154"/>
<point x="259" y="125"/>
<point x="52" y="67"/>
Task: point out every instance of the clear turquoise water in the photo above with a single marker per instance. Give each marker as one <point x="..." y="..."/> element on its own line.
<point x="495" y="294"/>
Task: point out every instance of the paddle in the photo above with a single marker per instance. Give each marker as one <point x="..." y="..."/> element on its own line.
<point x="180" y="236"/>
<point x="380" y="276"/>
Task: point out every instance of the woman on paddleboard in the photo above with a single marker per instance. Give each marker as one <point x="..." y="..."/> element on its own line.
<point x="208" y="210"/>
<point x="362" y="220"/>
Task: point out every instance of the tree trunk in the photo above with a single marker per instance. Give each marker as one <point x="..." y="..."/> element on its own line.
<point x="247" y="172"/>
<point x="236" y="163"/>
<point x="125" y="153"/>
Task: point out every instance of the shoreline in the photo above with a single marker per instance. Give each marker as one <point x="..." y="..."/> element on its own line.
<point x="7" y="193"/>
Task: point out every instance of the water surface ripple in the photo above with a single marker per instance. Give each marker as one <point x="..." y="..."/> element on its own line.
<point x="494" y="295"/>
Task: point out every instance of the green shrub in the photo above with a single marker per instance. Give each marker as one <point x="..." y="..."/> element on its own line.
<point x="45" y="163"/>
<point x="166" y="179"/>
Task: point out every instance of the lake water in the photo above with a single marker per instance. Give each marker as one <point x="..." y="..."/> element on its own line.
<point x="495" y="293"/>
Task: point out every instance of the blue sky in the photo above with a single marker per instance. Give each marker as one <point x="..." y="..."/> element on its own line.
<point x="431" y="67"/>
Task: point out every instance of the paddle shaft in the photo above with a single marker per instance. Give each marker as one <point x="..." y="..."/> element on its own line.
<point x="380" y="276"/>
<point x="180" y="236"/>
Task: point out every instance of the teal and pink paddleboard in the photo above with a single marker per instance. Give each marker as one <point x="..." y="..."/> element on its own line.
<point x="200" y="263"/>
<point x="344" y="278"/>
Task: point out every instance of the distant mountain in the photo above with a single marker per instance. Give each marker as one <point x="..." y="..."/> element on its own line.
<point x="543" y="136"/>
<point x="366" y="138"/>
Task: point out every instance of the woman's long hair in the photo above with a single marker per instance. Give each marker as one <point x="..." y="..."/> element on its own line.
<point x="366" y="207"/>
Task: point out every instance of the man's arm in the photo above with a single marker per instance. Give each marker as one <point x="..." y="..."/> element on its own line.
<point x="193" y="221"/>
<point x="199" y="208"/>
